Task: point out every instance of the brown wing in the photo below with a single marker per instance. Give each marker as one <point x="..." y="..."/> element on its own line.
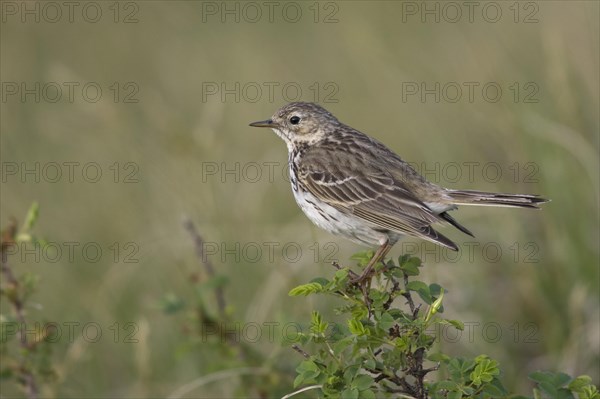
<point x="351" y="185"/>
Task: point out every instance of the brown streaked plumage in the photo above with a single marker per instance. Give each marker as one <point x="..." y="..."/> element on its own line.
<point x="352" y="185"/>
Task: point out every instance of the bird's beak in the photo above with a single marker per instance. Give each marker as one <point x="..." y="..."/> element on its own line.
<point x="266" y="123"/>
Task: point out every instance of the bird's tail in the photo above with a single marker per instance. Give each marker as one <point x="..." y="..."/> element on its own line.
<point x="472" y="197"/>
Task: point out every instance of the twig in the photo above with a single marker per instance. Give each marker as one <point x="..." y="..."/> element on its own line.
<point x="210" y="271"/>
<point x="395" y="288"/>
<point x="418" y="372"/>
<point x="406" y="387"/>
<point x="289" y="395"/>
<point x="431" y="369"/>
<point x="408" y="297"/>
<point x="8" y="240"/>
<point x="300" y="351"/>
<point x="338" y="267"/>
<point x="14" y="283"/>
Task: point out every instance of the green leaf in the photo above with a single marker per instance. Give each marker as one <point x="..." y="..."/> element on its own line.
<point x="368" y="394"/>
<point x="307" y="365"/>
<point x="402" y="343"/>
<point x="417" y="285"/>
<point x="363" y="257"/>
<point x="438" y="357"/>
<point x="422" y="289"/>
<point x="409" y="265"/>
<point x="589" y="392"/>
<point x="171" y="303"/>
<point x="317" y="325"/>
<point x="407" y="259"/>
<point x="320" y="280"/>
<point x="306" y="289"/>
<point x="484" y="371"/>
<point x="308" y="371"/>
<point x="540" y="376"/>
<point x="386" y="321"/>
<point x="459" y="368"/>
<point x="362" y="382"/>
<point x="454" y="395"/>
<point x="298" y="380"/>
<point x="356" y="327"/>
<point x="342" y="345"/>
<point x="552" y="384"/>
<point x="555" y="379"/>
<point x="32" y="216"/>
<point x="579" y="383"/>
<point x="378" y="298"/>
<point x="350" y="373"/>
<point x="370" y="363"/>
<point x="341" y="274"/>
<point x="350" y="393"/>
<point x="360" y="312"/>
<point x="493" y="391"/>
<point x="459" y="325"/>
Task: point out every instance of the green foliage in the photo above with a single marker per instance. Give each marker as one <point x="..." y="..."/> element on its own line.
<point x="216" y="340"/>
<point x="561" y="386"/>
<point x="25" y="345"/>
<point x="384" y="348"/>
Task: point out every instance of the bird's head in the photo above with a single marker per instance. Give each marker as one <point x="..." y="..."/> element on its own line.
<point x="300" y="123"/>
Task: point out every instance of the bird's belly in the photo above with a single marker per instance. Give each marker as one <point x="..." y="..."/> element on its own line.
<point x="330" y="219"/>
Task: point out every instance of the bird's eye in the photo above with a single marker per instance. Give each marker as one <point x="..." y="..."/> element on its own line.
<point x="294" y="120"/>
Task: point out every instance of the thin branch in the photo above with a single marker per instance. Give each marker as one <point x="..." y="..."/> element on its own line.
<point x="338" y="267"/>
<point x="210" y="271"/>
<point x="14" y="283"/>
<point x="219" y="375"/>
<point x="289" y="395"/>
<point x="8" y="240"/>
<point x="431" y="369"/>
<point x="300" y="351"/>
<point x="408" y="297"/>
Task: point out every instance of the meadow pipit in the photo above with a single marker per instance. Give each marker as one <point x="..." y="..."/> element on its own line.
<point x="354" y="186"/>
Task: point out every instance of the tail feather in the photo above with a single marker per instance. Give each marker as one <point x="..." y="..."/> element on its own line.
<point x="454" y="223"/>
<point x="473" y="197"/>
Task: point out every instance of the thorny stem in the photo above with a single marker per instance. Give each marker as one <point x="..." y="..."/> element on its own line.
<point x="413" y="310"/>
<point x="300" y="351"/>
<point x="416" y="387"/>
<point x="210" y="271"/>
<point x="338" y="267"/>
<point x="8" y="239"/>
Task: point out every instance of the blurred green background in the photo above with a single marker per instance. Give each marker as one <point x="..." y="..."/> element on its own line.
<point x="170" y="135"/>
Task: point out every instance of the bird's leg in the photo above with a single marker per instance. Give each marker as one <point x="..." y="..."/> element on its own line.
<point x="379" y="255"/>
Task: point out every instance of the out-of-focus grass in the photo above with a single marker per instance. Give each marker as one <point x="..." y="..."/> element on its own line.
<point x="171" y="134"/>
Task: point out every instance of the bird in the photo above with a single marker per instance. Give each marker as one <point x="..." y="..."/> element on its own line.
<point x="352" y="185"/>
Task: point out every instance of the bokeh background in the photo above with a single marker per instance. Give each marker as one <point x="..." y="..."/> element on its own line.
<point x="170" y="135"/>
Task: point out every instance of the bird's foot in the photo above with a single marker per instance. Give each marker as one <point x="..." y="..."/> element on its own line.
<point x="367" y="275"/>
